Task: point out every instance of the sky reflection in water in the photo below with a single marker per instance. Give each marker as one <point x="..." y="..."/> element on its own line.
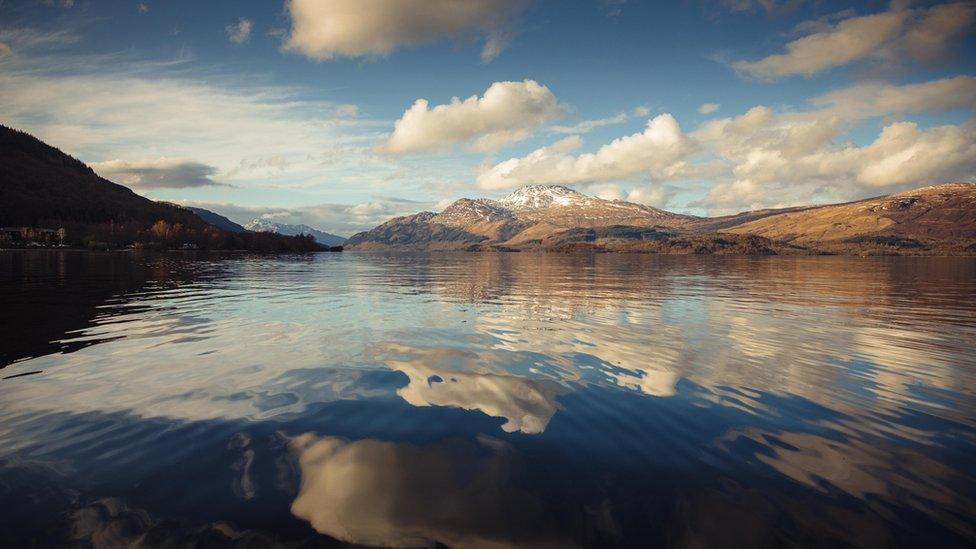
<point x="478" y="399"/>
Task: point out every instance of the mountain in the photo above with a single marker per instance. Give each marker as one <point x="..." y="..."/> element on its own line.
<point x="936" y="213"/>
<point x="523" y="218"/>
<point x="216" y="220"/>
<point x="266" y="226"/>
<point x="42" y="187"/>
<point x="940" y="219"/>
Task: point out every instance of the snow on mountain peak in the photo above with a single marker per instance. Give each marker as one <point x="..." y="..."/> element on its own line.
<point x="261" y="225"/>
<point x="541" y="196"/>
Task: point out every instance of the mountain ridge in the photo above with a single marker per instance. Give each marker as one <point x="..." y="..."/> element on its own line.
<point x="217" y="220"/>
<point x="261" y="225"/>
<point x="933" y="219"/>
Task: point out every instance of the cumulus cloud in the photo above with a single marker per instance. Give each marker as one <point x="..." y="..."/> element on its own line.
<point x="781" y="159"/>
<point x="906" y="154"/>
<point x="920" y="33"/>
<point x="158" y="173"/>
<point x="660" y="151"/>
<point x="507" y="112"/>
<point x="324" y="29"/>
<point x="142" y="8"/>
<point x="240" y="32"/>
<point x="765" y="158"/>
<point x="708" y="108"/>
<point x="651" y="194"/>
<point x="902" y="156"/>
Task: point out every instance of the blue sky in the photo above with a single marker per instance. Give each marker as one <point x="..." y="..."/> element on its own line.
<point x="307" y="110"/>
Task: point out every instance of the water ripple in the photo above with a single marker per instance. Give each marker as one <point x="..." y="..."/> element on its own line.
<point x="806" y="397"/>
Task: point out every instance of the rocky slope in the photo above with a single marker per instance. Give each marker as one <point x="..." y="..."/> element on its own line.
<point x="939" y="219"/>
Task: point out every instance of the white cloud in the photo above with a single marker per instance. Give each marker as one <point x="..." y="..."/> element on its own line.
<point x="849" y="40"/>
<point x="508" y="111"/>
<point x="708" y="108"/>
<point x="902" y="156"/>
<point x="158" y="173"/>
<point x="765" y="158"/>
<point x="660" y="151"/>
<point x="873" y="99"/>
<point x="906" y="154"/>
<point x="324" y="29"/>
<point x="924" y="34"/>
<point x="784" y="159"/>
<point x="222" y="122"/>
<point x="142" y="7"/>
<point x="587" y="126"/>
<point x="240" y="32"/>
<point x="649" y="195"/>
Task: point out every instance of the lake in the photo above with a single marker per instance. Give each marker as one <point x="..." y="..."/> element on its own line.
<point x="487" y="400"/>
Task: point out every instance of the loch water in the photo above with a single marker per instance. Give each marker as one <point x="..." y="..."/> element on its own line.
<point x="474" y="400"/>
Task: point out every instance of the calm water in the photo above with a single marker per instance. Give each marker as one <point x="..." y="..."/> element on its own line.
<point x="475" y="400"/>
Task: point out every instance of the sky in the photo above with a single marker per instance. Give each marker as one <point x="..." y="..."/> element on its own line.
<point x="343" y="113"/>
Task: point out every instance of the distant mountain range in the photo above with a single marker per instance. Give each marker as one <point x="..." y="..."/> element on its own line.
<point x="937" y="219"/>
<point x="260" y="225"/>
<point x="267" y="226"/>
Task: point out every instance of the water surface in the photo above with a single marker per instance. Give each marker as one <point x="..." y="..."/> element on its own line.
<point x="483" y="399"/>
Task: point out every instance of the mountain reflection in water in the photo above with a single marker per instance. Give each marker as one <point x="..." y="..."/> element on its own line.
<point x="486" y="400"/>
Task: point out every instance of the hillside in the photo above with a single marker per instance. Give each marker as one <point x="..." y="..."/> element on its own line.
<point x="42" y="187"/>
<point x="216" y="220"/>
<point x="937" y="213"/>
<point x="940" y="219"/>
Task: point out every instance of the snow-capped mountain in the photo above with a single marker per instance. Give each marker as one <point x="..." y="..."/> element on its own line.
<point x="526" y="215"/>
<point x="261" y="225"/>
<point x="534" y="197"/>
<point x="556" y="206"/>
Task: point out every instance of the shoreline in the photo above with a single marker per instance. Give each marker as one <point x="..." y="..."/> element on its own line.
<point x="400" y="251"/>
